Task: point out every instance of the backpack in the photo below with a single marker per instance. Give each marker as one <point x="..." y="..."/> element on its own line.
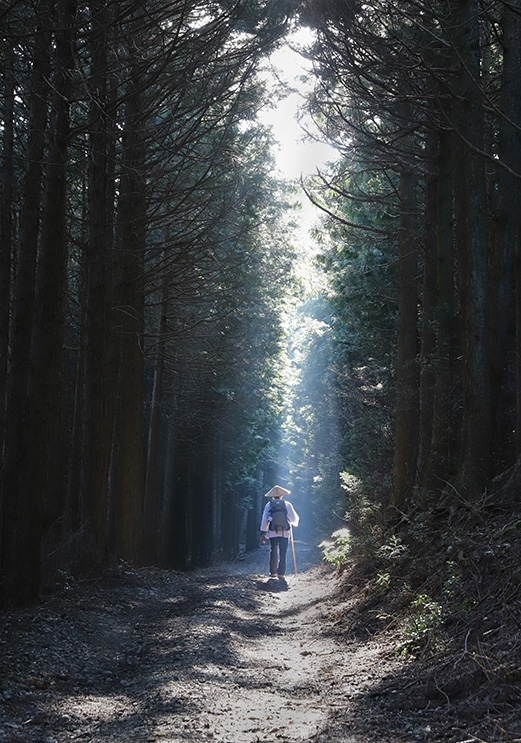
<point x="278" y="516"/>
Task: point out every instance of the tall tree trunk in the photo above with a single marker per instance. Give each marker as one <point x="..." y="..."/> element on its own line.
<point x="407" y="380"/>
<point x="507" y="263"/>
<point x="99" y="354"/>
<point x="6" y="228"/>
<point x="178" y="532"/>
<point x="168" y="533"/>
<point x="128" y="465"/>
<point x="442" y="445"/>
<point x="21" y="511"/>
<point x="74" y="504"/>
<point x="502" y="286"/>
<point x="428" y="333"/>
<point x="151" y="506"/>
<point x="44" y="470"/>
<point x="214" y="488"/>
<point x="472" y="251"/>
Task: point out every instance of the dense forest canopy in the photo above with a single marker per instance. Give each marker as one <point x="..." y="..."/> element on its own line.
<point x="162" y="362"/>
<point x="144" y="241"/>
<point x="421" y="244"/>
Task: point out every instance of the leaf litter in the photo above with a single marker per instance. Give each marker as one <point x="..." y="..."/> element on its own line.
<point x="218" y="655"/>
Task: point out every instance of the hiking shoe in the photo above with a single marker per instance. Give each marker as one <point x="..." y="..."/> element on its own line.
<point x="273" y="575"/>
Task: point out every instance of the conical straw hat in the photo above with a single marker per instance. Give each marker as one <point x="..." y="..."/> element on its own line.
<point x="277" y="491"/>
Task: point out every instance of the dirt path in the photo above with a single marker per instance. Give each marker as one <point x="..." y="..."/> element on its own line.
<point x="161" y="656"/>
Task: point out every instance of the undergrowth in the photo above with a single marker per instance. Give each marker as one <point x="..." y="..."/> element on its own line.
<point x="445" y="584"/>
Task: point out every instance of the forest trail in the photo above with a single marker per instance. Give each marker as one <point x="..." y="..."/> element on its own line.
<point x="154" y="655"/>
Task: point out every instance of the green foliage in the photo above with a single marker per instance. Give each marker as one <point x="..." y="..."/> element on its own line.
<point x="364" y="515"/>
<point x="360" y="268"/>
<point x="424" y="627"/>
<point x="453" y="591"/>
<point x="383" y="580"/>
<point x="453" y="580"/>
<point x="363" y="505"/>
<point x="337" y="551"/>
<point x="394" y="549"/>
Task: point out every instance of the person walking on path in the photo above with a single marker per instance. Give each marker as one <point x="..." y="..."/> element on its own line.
<point x="277" y="519"/>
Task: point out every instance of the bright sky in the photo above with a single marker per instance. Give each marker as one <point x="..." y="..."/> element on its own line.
<point x="295" y="156"/>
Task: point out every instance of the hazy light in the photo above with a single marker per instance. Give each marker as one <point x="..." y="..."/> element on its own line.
<point x="289" y="73"/>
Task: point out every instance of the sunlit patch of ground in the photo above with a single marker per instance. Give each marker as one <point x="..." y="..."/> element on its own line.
<point x="162" y="656"/>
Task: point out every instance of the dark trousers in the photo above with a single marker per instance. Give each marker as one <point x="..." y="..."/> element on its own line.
<point x="279" y="548"/>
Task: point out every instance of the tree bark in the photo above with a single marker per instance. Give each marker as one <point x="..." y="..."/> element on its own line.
<point x="6" y="227"/>
<point x="407" y="377"/>
<point x="472" y="251"/>
<point x="167" y="527"/>
<point x="507" y="255"/>
<point x="151" y="506"/>
<point x="441" y="458"/>
<point x="44" y="470"/>
<point x="128" y="466"/>
<point x="428" y="309"/>
<point x="100" y="356"/>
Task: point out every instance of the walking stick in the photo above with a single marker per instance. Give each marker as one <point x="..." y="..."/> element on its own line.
<point x="293" y="550"/>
